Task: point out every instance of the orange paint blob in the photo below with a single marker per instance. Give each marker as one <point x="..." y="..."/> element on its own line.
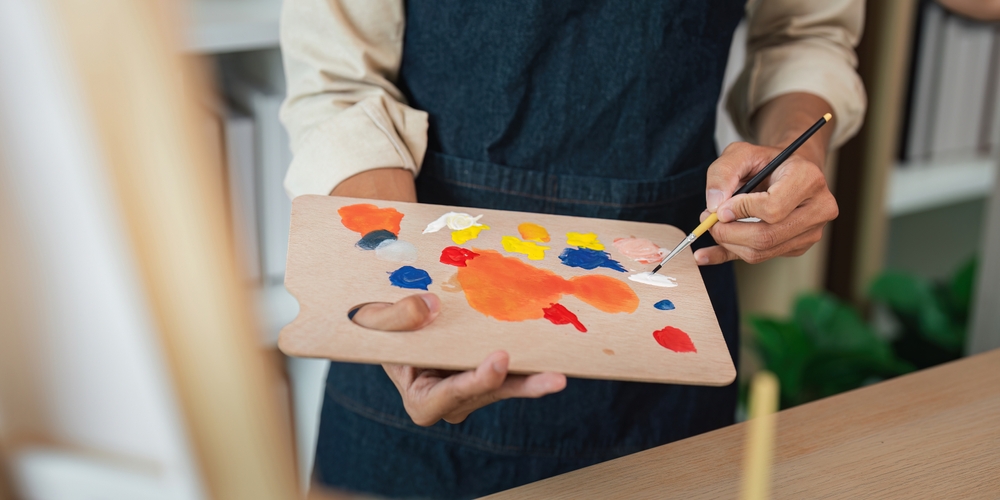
<point x="365" y="218"/>
<point x="508" y="289"/>
<point x="533" y="232"/>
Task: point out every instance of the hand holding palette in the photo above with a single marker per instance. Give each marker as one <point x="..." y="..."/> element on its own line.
<point x="563" y="294"/>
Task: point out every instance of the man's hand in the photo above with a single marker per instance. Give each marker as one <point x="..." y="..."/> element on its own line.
<point x="794" y="203"/>
<point x="431" y="395"/>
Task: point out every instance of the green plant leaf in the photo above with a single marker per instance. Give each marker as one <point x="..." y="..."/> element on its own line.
<point x="784" y="350"/>
<point x="832" y="325"/>
<point x="962" y="286"/>
<point x="914" y="298"/>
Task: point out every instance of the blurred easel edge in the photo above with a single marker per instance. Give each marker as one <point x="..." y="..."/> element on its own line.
<point x="162" y="171"/>
<point x="984" y="334"/>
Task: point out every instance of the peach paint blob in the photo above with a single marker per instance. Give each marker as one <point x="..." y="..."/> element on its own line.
<point x="365" y="218"/>
<point x="509" y="289"/>
<point x="640" y="250"/>
<point x="533" y="232"/>
<point x="533" y="250"/>
<point x="584" y="240"/>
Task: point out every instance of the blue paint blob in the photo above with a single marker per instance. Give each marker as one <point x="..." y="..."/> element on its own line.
<point x="410" y="277"/>
<point x="371" y="240"/>
<point x="589" y="259"/>
<point x="664" y="305"/>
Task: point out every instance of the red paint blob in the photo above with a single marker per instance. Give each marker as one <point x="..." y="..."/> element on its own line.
<point x="559" y="315"/>
<point x="456" y="256"/>
<point x="674" y="339"/>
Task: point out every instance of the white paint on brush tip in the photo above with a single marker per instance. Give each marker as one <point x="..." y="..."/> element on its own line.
<point x="648" y="278"/>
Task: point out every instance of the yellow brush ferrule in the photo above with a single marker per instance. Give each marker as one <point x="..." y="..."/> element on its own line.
<point x="706" y="225"/>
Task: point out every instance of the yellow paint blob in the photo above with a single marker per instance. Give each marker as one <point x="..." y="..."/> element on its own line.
<point x="469" y="233"/>
<point x="534" y="251"/>
<point x="584" y="240"/>
<point x="533" y="232"/>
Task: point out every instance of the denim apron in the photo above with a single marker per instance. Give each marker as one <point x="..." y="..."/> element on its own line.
<point x="590" y="108"/>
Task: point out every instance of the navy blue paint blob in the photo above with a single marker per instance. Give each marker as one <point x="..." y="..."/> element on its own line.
<point x="410" y="277"/>
<point x="589" y="259"/>
<point x="664" y="305"/>
<point x="372" y="239"/>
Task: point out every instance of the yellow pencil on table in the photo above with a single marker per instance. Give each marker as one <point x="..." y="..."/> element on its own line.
<point x="748" y="187"/>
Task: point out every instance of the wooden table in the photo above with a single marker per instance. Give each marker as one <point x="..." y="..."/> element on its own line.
<point x="931" y="434"/>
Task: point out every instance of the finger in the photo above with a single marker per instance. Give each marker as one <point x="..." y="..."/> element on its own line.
<point x="515" y="386"/>
<point x="710" y="256"/>
<point x="452" y="393"/>
<point x="791" y="185"/>
<point x="531" y="386"/>
<point x="763" y="236"/>
<point x="795" y="246"/>
<point x="738" y="162"/>
<point x="412" y="313"/>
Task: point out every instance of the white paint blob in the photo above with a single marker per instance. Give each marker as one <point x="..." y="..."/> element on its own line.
<point x="648" y="278"/>
<point x="455" y="221"/>
<point x="396" y="251"/>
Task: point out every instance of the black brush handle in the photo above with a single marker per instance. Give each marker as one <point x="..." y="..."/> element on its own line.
<point x="782" y="156"/>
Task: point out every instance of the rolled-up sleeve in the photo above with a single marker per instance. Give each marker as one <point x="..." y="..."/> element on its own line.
<point x="343" y="111"/>
<point x="802" y="46"/>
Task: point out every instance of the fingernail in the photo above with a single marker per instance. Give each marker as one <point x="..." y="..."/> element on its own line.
<point x="727" y="216"/>
<point x="500" y="366"/>
<point x="433" y="303"/>
<point x="701" y="259"/>
<point x="713" y="198"/>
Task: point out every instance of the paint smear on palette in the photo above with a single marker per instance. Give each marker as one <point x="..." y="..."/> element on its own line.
<point x="640" y="250"/>
<point x="396" y="251"/>
<point x="559" y="315"/>
<point x="533" y="250"/>
<point x="648" y="278"/>
<point x="664" y="305"/>
<point x="509" y="289"/>
<point x="452" y="285"/>
<point x="533" y="232"/>
<point x="674" y="339"/>
<point x="410" y="277"/>
<point x="589" y="259"/>
<point x="584" y="240"/>
<point x="456" y="256"/>
<point x="365" y="218"/>
<point x="469" y="233"/>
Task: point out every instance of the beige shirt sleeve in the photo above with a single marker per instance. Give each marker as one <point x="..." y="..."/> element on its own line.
<point x="345" y="115"/>
<point x="802" y="46"/>
<point x="343" y="112"/>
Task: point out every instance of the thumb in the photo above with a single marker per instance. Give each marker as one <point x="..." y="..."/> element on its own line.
<point x="412" y="313"/>
<point x="738" y="161"/>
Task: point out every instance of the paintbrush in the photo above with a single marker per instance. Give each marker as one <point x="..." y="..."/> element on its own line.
<point x="748" y="187"/>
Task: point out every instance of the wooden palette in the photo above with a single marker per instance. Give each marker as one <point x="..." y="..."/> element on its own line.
<point x="330" y="275"/>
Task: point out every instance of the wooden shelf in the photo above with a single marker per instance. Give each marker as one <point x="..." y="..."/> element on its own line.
<point x="923" y="186"/>
<point x="219" y="26"/>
